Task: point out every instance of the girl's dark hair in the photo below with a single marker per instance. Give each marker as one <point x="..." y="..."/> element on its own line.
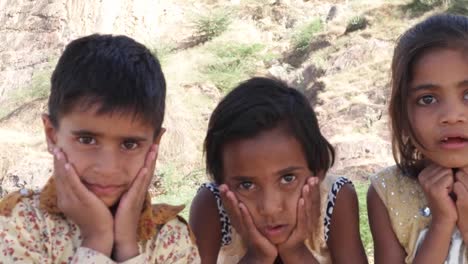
<point x="439" y="31"/>
<point x="114" y="72"/>
<point x="262" y="104"/>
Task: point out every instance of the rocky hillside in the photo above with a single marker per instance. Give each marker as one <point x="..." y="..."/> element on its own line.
<point x="337" y="52"/>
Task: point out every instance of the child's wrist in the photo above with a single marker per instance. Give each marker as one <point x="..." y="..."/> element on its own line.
<point x="99" y="243"/>
<point x="126" y="251"/>
<point x="253" y="258"/>
<point x="297" y="254"/>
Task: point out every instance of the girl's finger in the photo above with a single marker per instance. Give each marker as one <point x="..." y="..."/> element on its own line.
<point x="462" y="177"/>
<point x="248" y="223"/>
<point x="231" y="205"/>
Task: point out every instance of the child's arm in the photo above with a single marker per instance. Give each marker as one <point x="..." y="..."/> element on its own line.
<point x="460" y="188"/>
<point x="387" y="249"/>
<point x="205" y="223"/>
<point x="344" y="240"/>
<point x="437" y="184"/>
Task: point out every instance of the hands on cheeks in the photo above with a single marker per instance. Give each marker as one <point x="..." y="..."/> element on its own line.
<point x="460" y="188"/>
<point x="130" y="206"/>
<point x="294" y="250"/>
<point x="260" y="249"/>
<point x="100" y="230"/>
<point x="73" y="199"/>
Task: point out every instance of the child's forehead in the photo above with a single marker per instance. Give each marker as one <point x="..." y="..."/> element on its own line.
<point x="98" y="114"/>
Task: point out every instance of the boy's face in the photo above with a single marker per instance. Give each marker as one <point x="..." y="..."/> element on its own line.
<point x="267" y="173"/>
<point x="107" y="150"/>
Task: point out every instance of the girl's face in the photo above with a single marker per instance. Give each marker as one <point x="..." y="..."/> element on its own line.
<point x="267" y="173"/>
<point x="438" y="106"/>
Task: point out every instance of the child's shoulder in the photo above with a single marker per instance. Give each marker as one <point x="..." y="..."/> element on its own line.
<point x="391" y="180"/>
<point x="170" y="222"/>
<point x="21" y="203"/>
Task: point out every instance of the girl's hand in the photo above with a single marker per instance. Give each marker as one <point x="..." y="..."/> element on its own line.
<point x="82" y="206"/>
<point x="460" y="188"/>
<point x="294" y="249"/>
<point x="129" y="209"/>
<point x="437" y="183"/>
<point x="259" y="248"/>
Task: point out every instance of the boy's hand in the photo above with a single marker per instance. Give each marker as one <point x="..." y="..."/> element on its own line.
<point x="82" y="207"/>
<point x="437" y="183"/>
<point x="129" y="209"/>
<point x="294" y="250"/>
<point x="259" y="248"/>
<point x="460" y="188"/>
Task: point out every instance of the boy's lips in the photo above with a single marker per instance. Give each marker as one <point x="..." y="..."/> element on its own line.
<point x="103" y="189"/>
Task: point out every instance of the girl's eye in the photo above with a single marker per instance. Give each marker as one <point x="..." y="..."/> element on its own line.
<point x="246" y="185"/>
<point x="465" y="96"/>
<point x="87" y="140"/>
<point x="427" y="100"/>
<point x="129" y="145"/>
<point x="287" y="179"/>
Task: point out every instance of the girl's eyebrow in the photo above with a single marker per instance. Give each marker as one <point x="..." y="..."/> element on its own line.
<point x="289" y="170"/>
<point x="426" y="86"/>
<point x="242" y="178"/>
<point x="431" y="86"/>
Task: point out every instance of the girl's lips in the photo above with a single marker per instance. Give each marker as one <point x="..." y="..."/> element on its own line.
<point x="272" y="231"/>
<point x="453" y="143"/>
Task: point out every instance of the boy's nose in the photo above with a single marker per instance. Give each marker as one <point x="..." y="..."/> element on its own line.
<point x="108" y="163"/>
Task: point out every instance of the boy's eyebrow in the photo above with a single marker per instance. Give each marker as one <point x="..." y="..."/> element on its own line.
<point x="82" y="132"/>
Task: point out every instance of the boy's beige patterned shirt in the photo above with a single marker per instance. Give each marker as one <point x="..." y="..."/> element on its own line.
<point x="30" y="234"/>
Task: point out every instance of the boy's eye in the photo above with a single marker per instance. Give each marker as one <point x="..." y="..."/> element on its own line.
<point x="427" y="100"/>
<point x="246" y="185"/>
<point x="129" y="145"/>
<point x="287" y="178"/>
<point x="87" y="140"/>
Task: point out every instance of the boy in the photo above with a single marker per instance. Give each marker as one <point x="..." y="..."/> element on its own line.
<point x="106" y="108"/>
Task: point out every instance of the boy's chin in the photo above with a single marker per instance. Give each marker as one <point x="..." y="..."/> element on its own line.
<point x="110" y="201"/>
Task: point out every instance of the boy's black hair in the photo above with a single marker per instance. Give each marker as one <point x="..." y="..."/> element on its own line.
<point x="261" y="104"/>
<point x="115" y="73"/>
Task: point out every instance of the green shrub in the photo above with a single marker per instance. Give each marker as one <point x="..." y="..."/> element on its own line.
<point x="210" y="26"/>
<point x="233" y="63"/>
<point x="302" y="38"/>
<point x="419" y="7"/>
<point x="458" y="7"/>
<point x="356" y="23"/>
<point x="366" y="236"/>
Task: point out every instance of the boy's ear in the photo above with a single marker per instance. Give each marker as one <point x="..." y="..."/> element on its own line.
<point x="157" y="139"/>
<point x="50" y="132"/>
